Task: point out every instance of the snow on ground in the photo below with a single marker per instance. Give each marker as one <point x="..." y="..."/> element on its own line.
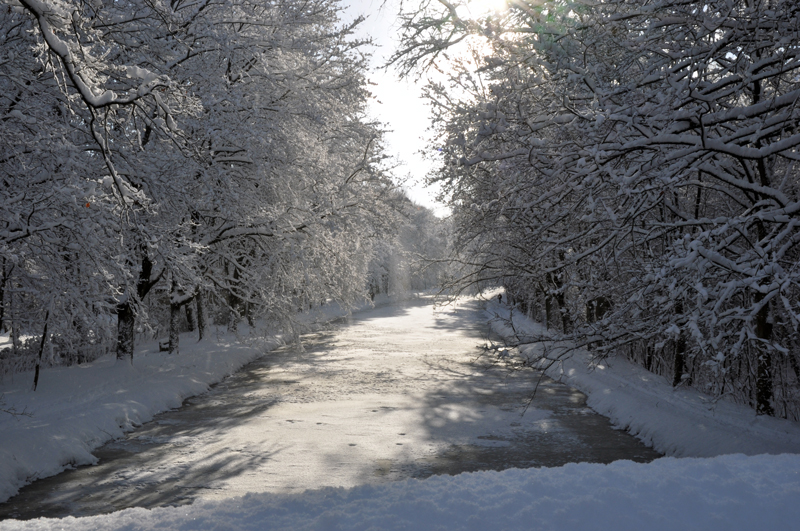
<point x="723" y="493"/>
<point x="77" y="409"/>
<point x="98" y="401"/>
<point x="680" y="422"/>
<point x="402" y="391"/>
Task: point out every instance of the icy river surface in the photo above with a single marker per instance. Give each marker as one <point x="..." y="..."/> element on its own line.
<point x="400" y="391"/>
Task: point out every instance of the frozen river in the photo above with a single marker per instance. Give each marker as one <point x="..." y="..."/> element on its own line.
<point x="401" y="391"/>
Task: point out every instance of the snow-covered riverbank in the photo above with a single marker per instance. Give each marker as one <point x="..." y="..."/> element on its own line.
<point x="80" y="408"/>
<point x="726" y="493"/>
<point x="678" y="422"/>
<point x="77" y="410"/>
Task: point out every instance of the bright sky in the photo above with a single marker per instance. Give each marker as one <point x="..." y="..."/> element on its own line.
<point x="398" y="103"/>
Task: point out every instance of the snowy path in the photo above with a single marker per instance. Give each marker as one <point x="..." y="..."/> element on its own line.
<point x="399" y="392"/>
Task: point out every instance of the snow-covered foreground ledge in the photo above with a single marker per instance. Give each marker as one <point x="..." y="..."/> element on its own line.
<point x="723" y="493"/>
<point x="78" y="409"/>
<point x="680" y="422"/>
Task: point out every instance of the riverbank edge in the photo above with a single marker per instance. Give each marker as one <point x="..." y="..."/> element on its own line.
<point x="77" y="409"/>
<point x="678" y="422"/>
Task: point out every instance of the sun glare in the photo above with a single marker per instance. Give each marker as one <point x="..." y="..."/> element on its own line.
<point x="475" y="9"/>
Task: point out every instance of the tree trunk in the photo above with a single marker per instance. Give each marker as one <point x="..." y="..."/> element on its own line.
<point x="680" y="354"/>
<point x="201" y="314"/>
<point x="764" y="361"/>
<point x="560" y="299"/>
<point x="174" y="335"/>
<point x="763" y="326"/>
<point x="41" y="350"/>
<point x="174" y="317"/>
<point x="126" y="315"/>
<point x="566" y="320"/>
<point x="233" y="320"/>
<point x="125" y="328"/>
<point x="248" y="312"/>
<point x="190" y="317"/>
<point x="233" y="301"/>
<point x="549" y="311"/>
<point x="14" y="327"/>
<point x="680" y="350"/>
<point x="3" y="296"/>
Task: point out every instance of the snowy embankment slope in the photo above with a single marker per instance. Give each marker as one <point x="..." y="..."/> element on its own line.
<point x="77" y="409"/>
<point x="723" y="493"/>
<point x="680" y="422"/>
<point x="728" y="492"/>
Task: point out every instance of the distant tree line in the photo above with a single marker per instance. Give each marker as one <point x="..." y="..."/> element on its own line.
<point x="629" y="172"/>
<point x="165" y="164"/>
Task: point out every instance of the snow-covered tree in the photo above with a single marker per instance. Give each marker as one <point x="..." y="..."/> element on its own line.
<point x="181" y="152"/>
<point x="410" y="255"/>
<point x="628" y="171"/>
